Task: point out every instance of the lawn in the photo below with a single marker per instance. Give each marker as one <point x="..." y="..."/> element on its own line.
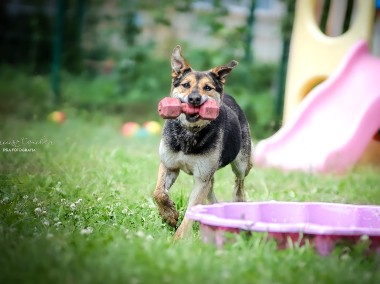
<point x="79" y="209"/>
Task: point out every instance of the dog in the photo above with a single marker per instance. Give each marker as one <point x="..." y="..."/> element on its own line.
<point x="200" y="147"/>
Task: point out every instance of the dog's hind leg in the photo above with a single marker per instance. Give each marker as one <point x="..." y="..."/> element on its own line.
<point x="166" y="208"/>
<point x="211" y="195"/>
<point x="241" y="167"/>
<point x="239" y="193"/>
<point x="198" y="196"/>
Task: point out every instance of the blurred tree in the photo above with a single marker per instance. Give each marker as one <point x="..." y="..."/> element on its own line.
<point x="27" y="32"/>
<point x="286" y="29"/>
<point x="235" y="40"/>
<point x="248" y="56"/>
<point x="24" y="35"/>
<point x="57" y="50"/>
<point x="131" y="26"/>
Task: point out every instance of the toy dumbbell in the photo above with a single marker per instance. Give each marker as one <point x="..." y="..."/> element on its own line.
<point x="172" y="108"/>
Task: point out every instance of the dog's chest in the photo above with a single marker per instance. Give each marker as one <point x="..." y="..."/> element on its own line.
<point x="193" y="164"/>
<point x="181" y="140"/>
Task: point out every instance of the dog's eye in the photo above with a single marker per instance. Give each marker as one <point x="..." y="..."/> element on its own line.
<point x="207" y="88"/>
<point x="186" y="85"/>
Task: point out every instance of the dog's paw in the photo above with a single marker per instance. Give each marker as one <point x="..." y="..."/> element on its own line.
<point x="169" y="215"/>
<point x="166" y="208"/>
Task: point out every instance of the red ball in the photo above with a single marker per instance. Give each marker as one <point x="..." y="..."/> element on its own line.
<point x="129" y="129"/>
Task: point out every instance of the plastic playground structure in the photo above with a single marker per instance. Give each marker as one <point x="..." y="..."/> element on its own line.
<point x="328" y="129"/>
<point x="334" y="123"/>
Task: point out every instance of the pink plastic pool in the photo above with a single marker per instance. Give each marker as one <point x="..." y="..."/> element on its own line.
<point x="322" y="223"/>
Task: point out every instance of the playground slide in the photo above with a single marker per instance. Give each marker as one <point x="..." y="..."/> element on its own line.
<point x="331" y="127"/>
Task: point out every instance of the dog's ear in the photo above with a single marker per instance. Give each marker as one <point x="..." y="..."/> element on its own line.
<point x="222" y="71"/>
<point x="179" y="63"/>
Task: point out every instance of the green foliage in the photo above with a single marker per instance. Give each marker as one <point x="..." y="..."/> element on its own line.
<point x="23" y="95"/>
<point x="252" y="86"/>
<point x="133" y="87"/>
<point x="141" y="76"/>
<point x="80" y="210"/>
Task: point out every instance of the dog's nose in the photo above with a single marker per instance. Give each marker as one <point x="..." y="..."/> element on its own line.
<point x="195" y="99"/>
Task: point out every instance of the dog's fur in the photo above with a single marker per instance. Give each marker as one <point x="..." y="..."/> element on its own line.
<point x="201" y="147"/>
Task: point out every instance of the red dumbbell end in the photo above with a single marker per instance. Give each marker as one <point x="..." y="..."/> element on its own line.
<point x="209" y="110"/>
<point x="169" y="107"/>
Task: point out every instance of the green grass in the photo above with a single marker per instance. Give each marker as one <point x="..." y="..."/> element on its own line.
<point x="80" y="210"/>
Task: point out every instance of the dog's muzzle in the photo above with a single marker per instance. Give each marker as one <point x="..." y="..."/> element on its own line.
<point x="195" y="99"/>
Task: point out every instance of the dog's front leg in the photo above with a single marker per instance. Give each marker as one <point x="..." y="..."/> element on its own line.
<point x="165" y="180"/>
<point x="199" y="194"/>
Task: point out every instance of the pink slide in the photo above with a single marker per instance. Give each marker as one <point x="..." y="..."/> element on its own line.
<point x="334" y="123"/>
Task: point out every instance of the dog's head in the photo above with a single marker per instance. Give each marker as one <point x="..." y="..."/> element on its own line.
<point x="196" y="87"/>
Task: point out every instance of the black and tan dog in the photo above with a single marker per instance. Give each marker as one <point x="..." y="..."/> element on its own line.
<point x="201" y="147"/>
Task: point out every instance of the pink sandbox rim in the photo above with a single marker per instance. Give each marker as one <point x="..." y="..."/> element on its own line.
<point x="315" y="218"/>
